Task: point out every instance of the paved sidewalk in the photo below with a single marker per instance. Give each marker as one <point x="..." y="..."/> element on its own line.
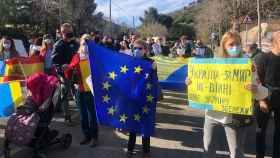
<point x="179" y="132"/>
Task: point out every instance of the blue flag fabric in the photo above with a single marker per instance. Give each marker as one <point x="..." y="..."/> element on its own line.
<point x="125" y="90"/>
<point x="10" y="96"/>
<point x="2" y="68"/>
<point x="176" y="80"/>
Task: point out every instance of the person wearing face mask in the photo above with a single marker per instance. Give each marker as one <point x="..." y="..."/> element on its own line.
<point x="251" y="50"/>
<point x="62" y="54"/>
<point x="36" y="47"/>
<point x="157" y="47"/>
<point x="184" y="48"/>
<point x="235" y="126"/>
<point x="46" y="52"/>
<point x="268" y="65"/>
<point x="124" y="48"/>
<point x="201" y="51"/>
<point x="84" y="97"/>
<point x="141" y="51"/>
<point x="7" y="49"/>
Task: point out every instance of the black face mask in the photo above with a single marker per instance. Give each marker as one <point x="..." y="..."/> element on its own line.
<point x="70" y="35"/>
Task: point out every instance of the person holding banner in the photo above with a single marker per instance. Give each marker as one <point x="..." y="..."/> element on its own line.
<point x="83" y="94"/>
<point x="7" y="48"/>
<point x="235" y="126"/>
<point x="268" y="65"/>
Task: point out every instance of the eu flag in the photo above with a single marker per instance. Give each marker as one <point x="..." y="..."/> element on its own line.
<point x="125" y="90"/>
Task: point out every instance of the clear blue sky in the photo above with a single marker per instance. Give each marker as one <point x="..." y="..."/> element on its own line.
<point x="124" y="10"/>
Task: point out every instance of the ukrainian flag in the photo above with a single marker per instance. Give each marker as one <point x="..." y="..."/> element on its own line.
<point x="11" y="97"/>
<point x="172" y="72"/>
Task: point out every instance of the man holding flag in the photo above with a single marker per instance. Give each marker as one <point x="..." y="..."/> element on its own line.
<point x="125" y="92"/>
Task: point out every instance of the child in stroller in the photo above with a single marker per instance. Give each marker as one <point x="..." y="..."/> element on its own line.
<point x="29" y="125"/>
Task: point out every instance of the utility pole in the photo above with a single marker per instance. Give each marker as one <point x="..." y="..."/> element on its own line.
<point x="60" y="11"/>
<point x="110" y="16"/>
<point x="259" y="25"/>
<point x="133" y="20"/>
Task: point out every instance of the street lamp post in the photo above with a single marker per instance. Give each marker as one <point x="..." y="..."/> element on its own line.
<point x="259" y="25"/>
<point x="60" y="11"/>
<point x="110" y="16"/>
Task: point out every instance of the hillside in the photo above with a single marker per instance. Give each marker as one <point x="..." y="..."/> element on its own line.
<point x="184" y="20"/>
<point x="187" y="14"/>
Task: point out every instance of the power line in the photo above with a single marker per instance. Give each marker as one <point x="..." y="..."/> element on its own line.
<point x="124" y="11"/>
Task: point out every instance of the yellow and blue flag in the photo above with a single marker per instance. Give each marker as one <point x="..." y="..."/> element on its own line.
<point x="172" y="72"/>
<point x="125" y="90"/>
<point x="11" y="97"/>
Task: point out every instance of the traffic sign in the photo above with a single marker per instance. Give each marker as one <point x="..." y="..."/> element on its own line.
<point x="247" y="20"/>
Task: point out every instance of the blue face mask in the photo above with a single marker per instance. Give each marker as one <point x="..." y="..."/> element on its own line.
<point x="137" y="53"/>
<point x="234" y="51"/>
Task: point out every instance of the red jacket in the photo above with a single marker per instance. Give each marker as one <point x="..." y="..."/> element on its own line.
<point x="75" y="66"/>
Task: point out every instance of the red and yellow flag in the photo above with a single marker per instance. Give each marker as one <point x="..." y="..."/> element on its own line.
<point x="85" y="72"/>
<point x="21" y="68"/>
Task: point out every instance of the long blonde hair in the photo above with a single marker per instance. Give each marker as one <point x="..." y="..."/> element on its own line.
<point x="228" y="35"/>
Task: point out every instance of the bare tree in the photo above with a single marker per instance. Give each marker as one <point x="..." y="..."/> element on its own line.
<point x="222" y="15"/>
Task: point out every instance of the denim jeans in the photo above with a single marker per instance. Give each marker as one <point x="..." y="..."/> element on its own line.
<point x="88" y="118"/>
<point x="262" y="123"/>
<point x="235" y="138"/>
<point x="132" y="140"/>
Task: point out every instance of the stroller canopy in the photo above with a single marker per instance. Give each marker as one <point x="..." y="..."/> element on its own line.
<point x="41" y="87"/>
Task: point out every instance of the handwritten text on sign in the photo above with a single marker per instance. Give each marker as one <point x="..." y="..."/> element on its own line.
<point x="219" y="84"/>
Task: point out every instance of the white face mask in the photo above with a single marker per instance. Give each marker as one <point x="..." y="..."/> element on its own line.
<point x="7" y="45"/>
<point x="36" y="48"/>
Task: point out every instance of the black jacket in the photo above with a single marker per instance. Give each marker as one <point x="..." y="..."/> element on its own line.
<point x="268" y="66"/>
<point x="63" y="52"/>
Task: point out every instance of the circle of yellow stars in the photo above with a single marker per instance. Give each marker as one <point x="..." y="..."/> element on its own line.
<point x="106" y="99"/>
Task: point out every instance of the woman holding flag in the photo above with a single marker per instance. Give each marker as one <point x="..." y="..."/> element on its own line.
<point x="84" y="97"/>
<point x="235" y="126"/>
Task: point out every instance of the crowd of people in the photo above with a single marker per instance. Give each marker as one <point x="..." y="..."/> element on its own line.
<point x="62" y="54"/>
<point x="184" y="47"/>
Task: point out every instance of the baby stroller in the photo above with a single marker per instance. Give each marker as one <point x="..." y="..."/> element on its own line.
<point x="29" y="125"/>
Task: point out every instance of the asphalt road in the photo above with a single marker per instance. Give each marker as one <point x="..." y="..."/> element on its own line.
<point x="179" y="132"/>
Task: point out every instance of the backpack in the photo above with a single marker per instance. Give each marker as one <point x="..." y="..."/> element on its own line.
<point x="22" y="125"/>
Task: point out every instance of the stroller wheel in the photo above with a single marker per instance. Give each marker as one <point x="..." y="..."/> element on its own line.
<point x="66" y="140"/>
